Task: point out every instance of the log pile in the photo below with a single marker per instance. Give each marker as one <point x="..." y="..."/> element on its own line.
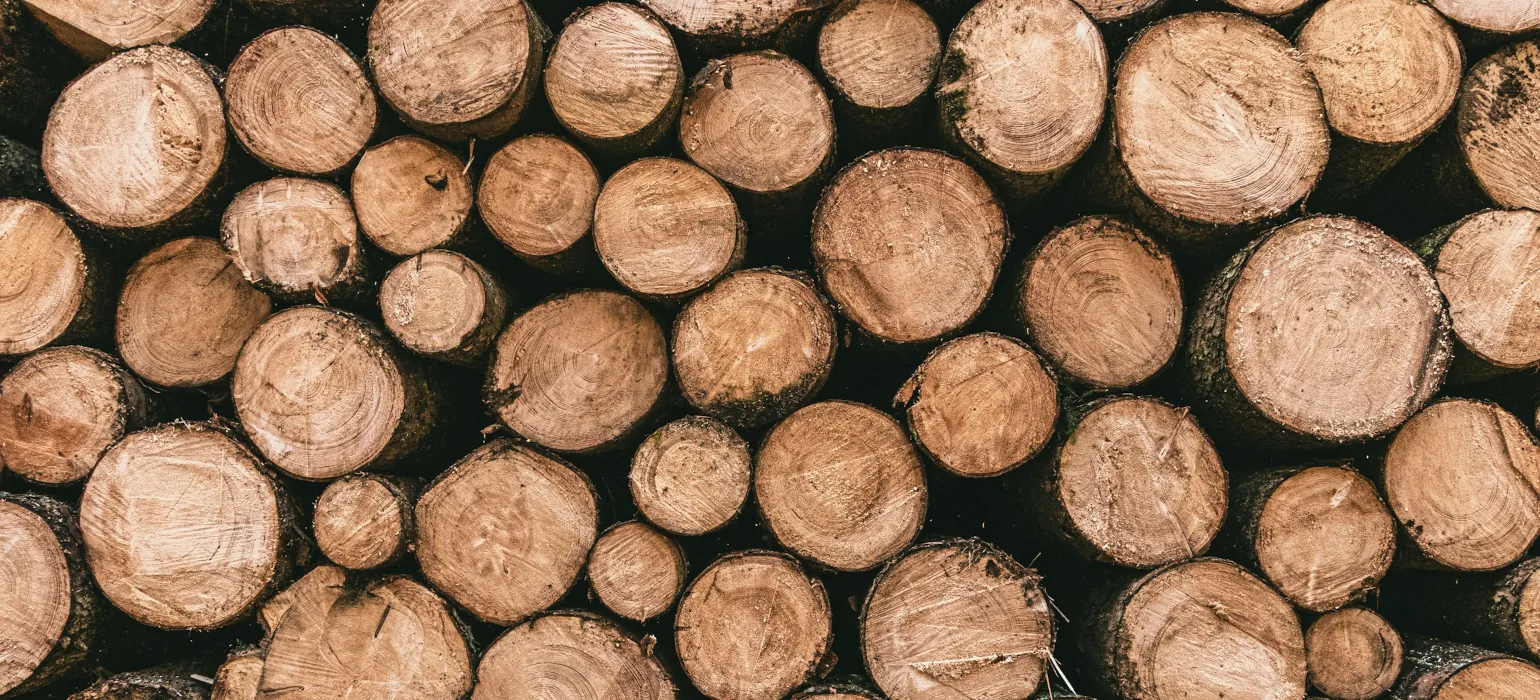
<point x="809" y="349"/>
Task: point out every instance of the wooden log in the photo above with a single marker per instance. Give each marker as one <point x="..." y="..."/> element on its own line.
<point x="1499" y="610"/>
<point x="909" y="242"/>
<point x="666" y="229"/>
<point x="371" y="640"/>
<point x="97" y="30"/>
<point x="1497" y="126"/>
<point x="53" y="614"/>
<point x="956" y="616"/>
<point x="1256" y="356"/>
<point x="754" y="347"/>
<point x="614" y="79"/>
<point x="61" y="408"/>
<point x="839" y="484"/>
<point x="297" y="239"/>
<point x="692" y="476"/>
<point x="185" y="529"/>
<point x="1274" y="12"/>
<point x="1440" y="670"/>
<point x="1135" y="483"/>
<point x="445" y="306"/>
<point x="1497" y="19"/>
<point x="880" y="59"/>
<point x="1022" y="91"/>
<point x="174" y="681"/>
<point x="366" y="521"/>
<point x="33" y="69"/>
<point x="411" y="195"/>
<point x="537" y="197"/>
<point x="240" y="676"/>
<point x="457" y="69"/>
<point x="1352" y="654"/>
<point x="1203" y="628"/>
<point x="753" y="625"/>
<point x="1389" y="72"/>
<point x="185" y="312"/>
<point x="135" y="176"/>
<point x="1176" y="159"/>
<point x="1460" y="478"/>
<point x="636" y="571"/>
<point x="713" y="28"/>
<point x="322" y="393"/>
<point x="553" y="510"/>
<point x="571" y="654"/>
<point x="1102" y="301"/>
<point x="954" y="401"/>
<point x="58" y="288"/>
<point x="299" y="102"/>
<point x="580" y="372"/>
<point x="1115" y="17"/>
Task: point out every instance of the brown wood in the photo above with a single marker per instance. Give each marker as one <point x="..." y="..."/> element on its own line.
<point x="1352" y="654"/>
<point x="61" y="408"/>
<point x="457" y="69"/>
<point x="754" y="347"/>
<point x="57" y="288"/>
<point x="1324" y="330"/>
<point x="692" y="476"/>
<point x="579" y="372"/>
<point x="636" y="571"/>
<point x="1498" y="610"/>
<point x="1103" y="301"/>
<point x="53" y="614"/>
<point x="1497" y="122"/>
<point x="1439" y="670"/>
<point x="614" y="79"/>
<point x="443" y="305"/>
<point x="137" y="176"/>
<point x="839" y="484"/>
<point x="96" y="30"/>
<point x="184" y="313"/>
<point x="1389" y="72"/>
<point x="174" y="681"/>
<point x="322" y="393"/>
<point x="297" y="239"/>
<point x="299" y="102"/>
<point x="240" y="676"/>
<point x="880" y="59"/>
<point x="185" y="528"/>
<point x="1500" y="17"/>
<point x="537" y="197"/>
<point x="571" y="654"/>
<point x="955" y="399"/>
<point x="366" y="521"/>
<point x="714" y="28"/>
<point x="535" y="516"/>
<point x="753" y="626"/>
<point x="1022" y="91"/>
<point x="412" y="194"/>
<point x="666" y="229"/>
<point x="909" y="242"/>
<point x="956" y="616"/>
<point x="1460" y="476"/>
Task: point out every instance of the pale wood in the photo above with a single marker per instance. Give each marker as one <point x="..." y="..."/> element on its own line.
<point x="1497" y="122"/>
<point x="666" y="229"/>
<point x="637" y="571"/>
<point x="53" y="616"/>
<point x="52" y="287"/>
<point x="1484" y="265"/>
<point x="537" y="197"/>
<point x="692" y="476"/>
<point x="96" y="29"/>
<point x="1439" y="670"/>
<point x="61" y="408"/>
<point x="1352" y="654"/>
<point x="443" y="305"/>
<point x="412" y="194"/>
<point x="880" y="58"/>
<point x="297" y="239"/>
<point x="717" y="27"/>
<point x="1495" y="16"/>
<point x="1498" y="610"/>
<point x="366" y="521"/>
<point x="240" y="676"/>
<point x="614" y="79"/>
<point x="571" y="654"/>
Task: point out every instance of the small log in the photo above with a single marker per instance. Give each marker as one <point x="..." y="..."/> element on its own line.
<point x="1115" y="18"/>
<point x="140" y="178"/>
<point x="959" y="614"/>
<point x="1103" y="301"/>
<point x="34" y="67"/>
<point x="297" y="239"/>
<point x="666" y="229"/>
<point x="97" y="30"/>
<point x="753" y="625"/>
<point x="366" y="521"/>
<point x="299" y="102"/>
<point x="712" y="28"/>
<point x="61" y="408"/>
<point x="955" y="399"/>
<point x="692" y="476"/>
<point x="1498" y="20"/>
<point x="185" y="529"/>
<point x="457" y="69"/>
<point x="880" y="59"/>
<point x="1255" y="355"/>
<point x="411" y="195"/>
<point x="571" y="654"/>
<point x="1498" y="610"/>
<point x="1497" y="123"/>
<point x="614" y="79"/>
<point x="174" y="681"/>
<point x="58" y="289"/>
<point x="52" y="613"/>
<point x="580" y="372"/>
<point x="465" y="514"/>
<point x="240" y="676"/>
<point x="909" y="242"/>
<point x="636" y="571"/>
<point x="839" y="484"/>
<point x="1460" y="476"/>
<point x="322" y="393"/>
<point x="754" y="347"/>
<point x="537" y="197"/>
<point x="1440" y="670"/>
<point x="1352" y="654"/>
<point x="1022" y="91"/>
<point x="443" y="305"/>
<point x="854" y="689"/>
<point x="185" y="312"/>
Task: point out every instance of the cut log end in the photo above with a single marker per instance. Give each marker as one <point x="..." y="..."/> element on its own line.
<point x="61" y="408"/>
<point x="443" y="305"/>
<point x="1498" y="115"/>
<point x="46" y="274"/>
<point x="537" y="197"/>
<point x="637" y="571"/>
<point x="411" y="195"/>
<point x="51" y="619"/>
<point x="97" y="30"/>
<point x="879" y="54"/>
<point x="614" y="79"/>
<point x="692" y="476"/>
<point x="239" y="677"/>
<point x="571" y="654"/>
<point x="666" y="229"/>
<point x="1495" y="16"/>
<point x="1480" y="271"/>
<point x="294" y="236"/>
<point x="713" y="25"/>
<point x="1440" y="670"/>
<point x="365" y="521"/>
<point x="1352" y="654"/>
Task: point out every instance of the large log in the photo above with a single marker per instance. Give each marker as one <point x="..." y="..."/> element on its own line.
<point x="1498" y="610"/>
<point x="692" y="476"/>
<point x="58" y="288"/>
<point x="366" y="521"/>
<point x="52" y="614"/>
<point x="880" y="58"/>
<point x="537" y="197"/>
<point x="411" y="195"/>
<point x="1352" y="654"/>
<point x="636" y="571"/>
<point x="614" y="79"/>
<point x="96" y="30"/>
<point x="61" y="408"/>
<point x="443" y="305"/>
<point x="297" y="239"/>
<point x="571" y="654"/>
<point x="1440" y="670"/>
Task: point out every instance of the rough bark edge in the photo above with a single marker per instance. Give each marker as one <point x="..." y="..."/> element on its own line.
<point x="77" y="645"/>
<point x="135" y="409"/>
<point x="1467" y="366"/>
<point x="174" y="681"/>
<point x="473" y="348"/>
<point x="1478" y="608"/>
<point x="1428" y="663"/>
<point x="404" y="492"/>
<point x="634" y="144"/>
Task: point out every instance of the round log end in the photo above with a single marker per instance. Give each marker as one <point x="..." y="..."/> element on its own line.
<point x="411" y="195"/>
<point x="46" y="276"/>
<point x="443" y="305"/>
<point x="364" y="521"/>
<point x="1480" y="270"/>
<point x="879" y="54"/>
<point x="35" y="593"/>
<point x="692" y="476"/>
<point x="61" y="408"/>
<point x="1325" y="538"/>
<point x="637" y="571"/>
<point x="537" y="196"/>
<point x="1497" y="16"/>
<point x="666" y="229"/>
<point x="1352" y="654"/>
<point x="1497" y="120"/>
<point x="293" y="236"/>
<point x="571" y="654"/>
<point x="614" y="77"/>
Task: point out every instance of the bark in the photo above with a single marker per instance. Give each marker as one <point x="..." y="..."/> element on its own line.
<point x="174" y="681"/>
<point x="1440" y="670"/>
<point x="1497" y="610"/>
